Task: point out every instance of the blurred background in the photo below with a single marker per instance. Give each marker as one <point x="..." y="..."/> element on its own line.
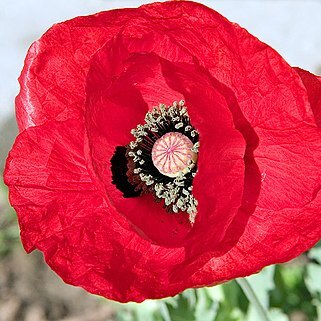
<point x="29" y="291"/>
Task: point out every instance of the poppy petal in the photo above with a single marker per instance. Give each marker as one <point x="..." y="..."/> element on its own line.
<point x="63" y="213"/>
<point x="52" y="82"/>
<point x="272" y="100"/>
<point x="312" y="84"/>
<point x="111" y="115"/>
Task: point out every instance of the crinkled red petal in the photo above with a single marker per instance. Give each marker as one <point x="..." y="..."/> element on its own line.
<point x="147" y="80"/>
<point x="274" y="104"/>
<point x="63" y="213"/>
<point x="53" y="78"/>
<point x="312" y="84"/>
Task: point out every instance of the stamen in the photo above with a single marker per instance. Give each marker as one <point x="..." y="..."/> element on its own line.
<point x="162" y="159"/>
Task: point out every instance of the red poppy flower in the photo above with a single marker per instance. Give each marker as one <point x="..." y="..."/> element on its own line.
<point x="253" y="184"/>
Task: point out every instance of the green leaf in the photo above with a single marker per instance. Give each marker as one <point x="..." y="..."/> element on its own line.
<point x="216" y="293"/>
<point x="277" y="315"/>
<point x="206" y="309"/>
<point x="163" y="309"/>
<point x="312" y="279"/>
<point x="291" y="293"/>
<point x="124" y="315"/>
<point x="262" y="283"/>
<point x="315" y="253"/>
<point x="146" y="311"/>
<point x="231" y="301"/>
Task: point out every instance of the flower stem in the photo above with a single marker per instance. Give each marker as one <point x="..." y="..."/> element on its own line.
<point x="250" y="294"/>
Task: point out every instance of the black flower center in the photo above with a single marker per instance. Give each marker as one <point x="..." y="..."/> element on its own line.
<point x="162" y="159"/>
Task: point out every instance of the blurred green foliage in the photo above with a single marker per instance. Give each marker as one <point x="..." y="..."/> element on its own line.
<point x="290" y="291"/>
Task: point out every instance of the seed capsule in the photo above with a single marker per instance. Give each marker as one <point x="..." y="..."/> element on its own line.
<point x="172" y="154"/>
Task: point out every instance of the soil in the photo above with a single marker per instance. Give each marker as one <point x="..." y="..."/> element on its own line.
<point x="30" y="291"/>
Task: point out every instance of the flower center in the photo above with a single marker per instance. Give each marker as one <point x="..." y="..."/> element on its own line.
<point x="172" y="154"/>
<point x="161" y="160"/>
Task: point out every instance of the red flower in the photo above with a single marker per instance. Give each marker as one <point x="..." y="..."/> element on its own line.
<point x="88" y="81"/>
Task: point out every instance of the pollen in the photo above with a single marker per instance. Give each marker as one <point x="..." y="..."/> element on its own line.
<point x="162" y="159"/>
